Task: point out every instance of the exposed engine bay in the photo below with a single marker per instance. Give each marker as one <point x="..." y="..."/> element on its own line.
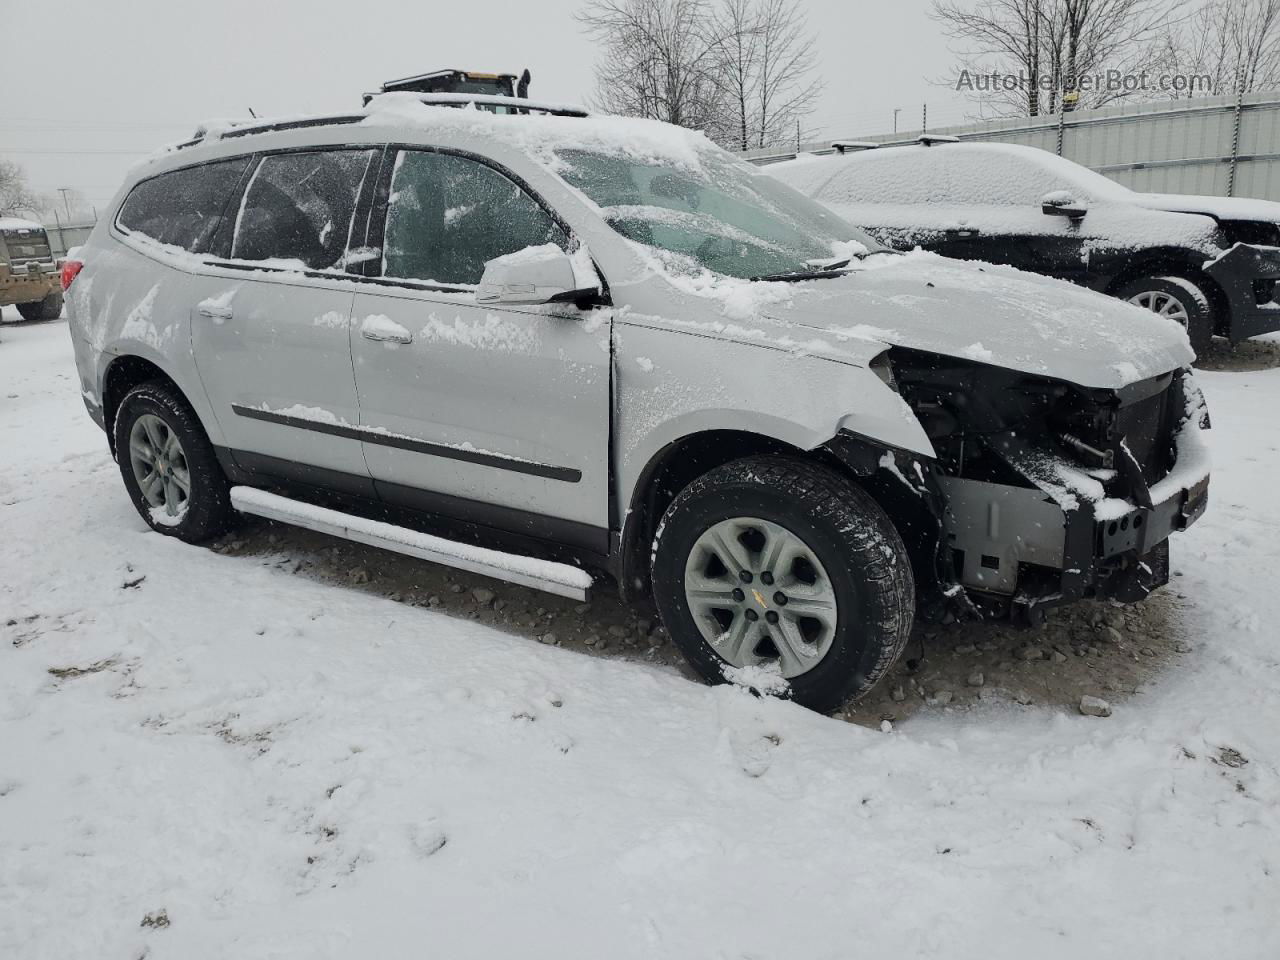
<point x="1043" y="491"/>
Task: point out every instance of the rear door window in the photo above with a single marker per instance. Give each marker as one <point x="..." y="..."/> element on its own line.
<point x="183" y="208"/>
<point x="448" y="215"/>
<point x="298" y="208"/>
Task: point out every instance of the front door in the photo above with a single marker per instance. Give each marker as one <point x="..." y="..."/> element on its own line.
<point x="271" y="325"/>
<point x="494" y="415"/>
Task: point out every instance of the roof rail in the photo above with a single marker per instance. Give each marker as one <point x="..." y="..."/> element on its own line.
<point x="845" y="146"/>
<point x="929" y="139"/>
<point x="494" y="104"/>
<point x="227" y="129"/>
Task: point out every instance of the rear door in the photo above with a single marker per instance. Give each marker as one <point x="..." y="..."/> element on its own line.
<point x="270" y="323"/>
<point x="496" y="415"/>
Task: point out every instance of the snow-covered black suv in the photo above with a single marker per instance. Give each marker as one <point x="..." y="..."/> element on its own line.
<point x="553" y="348"/>
<point x="1210" y="263"/>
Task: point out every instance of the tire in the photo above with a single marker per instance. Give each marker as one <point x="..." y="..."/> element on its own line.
<point x="50" y="308"/>
<point x="205" y="510"/>
<point x="859" y="560"/>
<point x="1179" y="299"/>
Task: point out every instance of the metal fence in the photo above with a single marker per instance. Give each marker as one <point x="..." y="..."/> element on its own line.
<point x="62" y="237"/>
<point x="1219" y="146"/>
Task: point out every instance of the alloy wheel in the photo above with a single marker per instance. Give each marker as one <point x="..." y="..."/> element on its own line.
<point x="759" y="594"/>
<point x="1165" y="304"/>
<point x="160" y="467"/>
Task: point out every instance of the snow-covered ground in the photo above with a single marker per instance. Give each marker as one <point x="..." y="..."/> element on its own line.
<point x="205" y="754"/>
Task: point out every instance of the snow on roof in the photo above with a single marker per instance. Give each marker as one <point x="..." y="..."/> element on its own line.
<point x="907" y="195"/>
<point x="540" y="135"/>
<point x="958" y="173"/>
<point x="17" y="223"/>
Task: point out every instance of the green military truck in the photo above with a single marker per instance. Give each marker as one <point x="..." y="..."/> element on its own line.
<point x="28" y="270"/>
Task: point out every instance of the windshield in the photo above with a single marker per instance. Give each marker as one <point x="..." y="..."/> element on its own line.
<point x="722" y="215"/>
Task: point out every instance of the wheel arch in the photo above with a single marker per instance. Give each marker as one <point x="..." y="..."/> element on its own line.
<point x="122" y="374"/>
<point x="679" y="462"/>
<point x="1176" y="262"/>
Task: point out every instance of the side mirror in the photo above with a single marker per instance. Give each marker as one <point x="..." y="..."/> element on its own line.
<point x="533" y="275"/>
<point x="1062" y="204"/>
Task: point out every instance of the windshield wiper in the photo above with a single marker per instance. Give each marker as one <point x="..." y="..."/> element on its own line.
<point x="797" y="275"/>
<point x="830" y="263"/>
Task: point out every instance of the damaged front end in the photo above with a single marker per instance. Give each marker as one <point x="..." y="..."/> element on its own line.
<point x="1044" y="492"/>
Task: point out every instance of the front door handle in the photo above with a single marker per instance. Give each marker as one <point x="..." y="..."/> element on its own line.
<point x="384" y="330"/>
<point x="214" y="311"/>
<point x="384" y="336"/>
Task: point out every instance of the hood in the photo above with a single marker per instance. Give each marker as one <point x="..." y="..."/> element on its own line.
<point x="989" y="314"/>
<point x="1220" y="208"/>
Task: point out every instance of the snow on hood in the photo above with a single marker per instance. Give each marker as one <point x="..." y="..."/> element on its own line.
<point x="994" y="315"/>
<point x="1221" y="208"/>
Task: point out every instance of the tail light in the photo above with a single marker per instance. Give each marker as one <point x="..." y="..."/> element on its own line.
<point x="69" y="270"/>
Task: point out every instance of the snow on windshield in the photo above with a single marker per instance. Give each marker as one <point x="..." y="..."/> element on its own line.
<point x="723" y="216"/>
<point x="682" y="194"/>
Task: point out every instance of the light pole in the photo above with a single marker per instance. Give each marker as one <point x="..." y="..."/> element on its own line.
<point x="896" y="111"/>
<point x="65" y="205"/>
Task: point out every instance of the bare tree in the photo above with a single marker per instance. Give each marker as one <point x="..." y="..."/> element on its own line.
<point x="15" y="197"/>
<point x="1055" y="47"/>
<point x="739" y="69"/>
<point x="737" y="29"/>
<point x="659" y="60"/>
<point x="1232" y="43"/>
<point x="785" y="89"/>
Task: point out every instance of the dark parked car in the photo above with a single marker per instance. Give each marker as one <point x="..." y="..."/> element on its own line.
<point x="1211" y="263"/>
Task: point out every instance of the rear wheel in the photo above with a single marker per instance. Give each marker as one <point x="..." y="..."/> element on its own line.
<point x="1177" y="299"/>
<point x="779" y="563"/>
<point x="50" y="308"/>
<point x="168" y="465"/>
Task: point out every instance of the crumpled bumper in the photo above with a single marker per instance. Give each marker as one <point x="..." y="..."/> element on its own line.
<point x="1247" y="274"/>
<point x="1065" y="535"/>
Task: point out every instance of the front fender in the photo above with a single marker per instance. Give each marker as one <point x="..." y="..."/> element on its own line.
<point x="670" y="385"/>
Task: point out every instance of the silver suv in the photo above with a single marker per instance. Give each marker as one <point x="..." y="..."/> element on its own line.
<point x="554" y="348"/>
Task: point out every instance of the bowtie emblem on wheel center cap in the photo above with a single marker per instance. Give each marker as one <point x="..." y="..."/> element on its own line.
<point x="760" y="599"/>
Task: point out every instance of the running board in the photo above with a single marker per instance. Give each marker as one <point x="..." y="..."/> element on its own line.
<point x="559" y="578"/>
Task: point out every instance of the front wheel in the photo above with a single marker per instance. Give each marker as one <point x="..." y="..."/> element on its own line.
<point x="168" y="465"/>
<point x="1177" y="299"/>
<point x="779" y="563"/>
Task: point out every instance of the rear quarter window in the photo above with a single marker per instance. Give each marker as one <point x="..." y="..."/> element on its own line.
<point x="185" y="207"/>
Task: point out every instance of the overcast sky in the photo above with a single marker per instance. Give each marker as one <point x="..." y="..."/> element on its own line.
<point x="91" y="85"/>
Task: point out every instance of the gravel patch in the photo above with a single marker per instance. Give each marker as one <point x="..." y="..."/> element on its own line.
<point x="1084" y="650"/>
